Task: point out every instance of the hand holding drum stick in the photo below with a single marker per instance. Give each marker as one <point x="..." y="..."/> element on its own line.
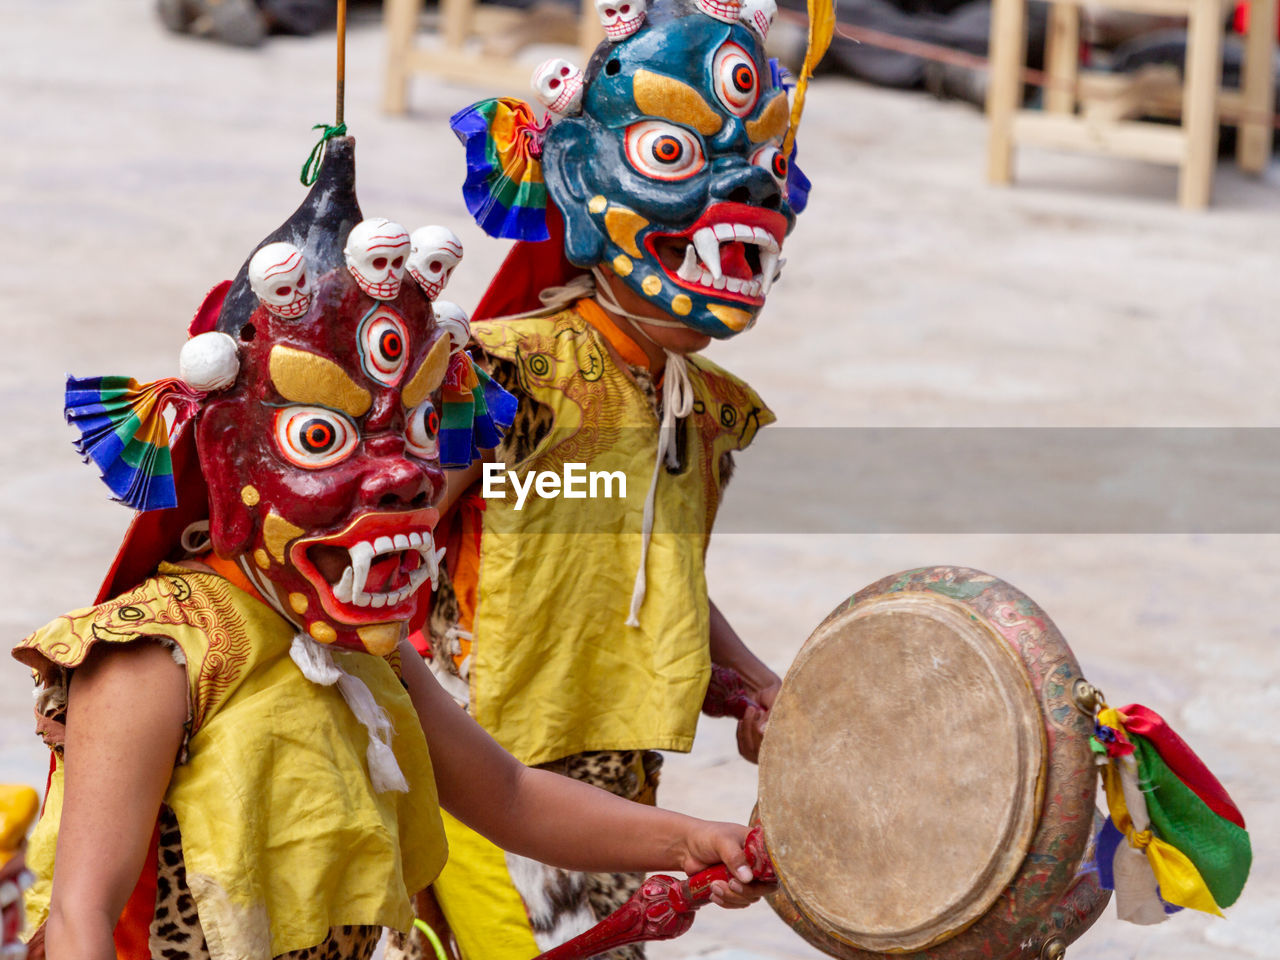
<point x="661" y="909"/>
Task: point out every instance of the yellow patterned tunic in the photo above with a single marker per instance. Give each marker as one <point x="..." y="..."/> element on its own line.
<point x="554" y="669"/>
<point x="283" y="836"/>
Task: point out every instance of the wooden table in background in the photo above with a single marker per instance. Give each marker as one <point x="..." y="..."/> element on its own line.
<point x="480" y="44"/>
<point x="1096" y="112"/>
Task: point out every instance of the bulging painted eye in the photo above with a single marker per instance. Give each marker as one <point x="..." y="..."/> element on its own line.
<point x="736" y="82"/>
<point x="384" y="345"/>
<point x="773" y="160"/>
<point x="664" y="151"/>
<point x="314" y="437"/>
<point x="422" y="432"/>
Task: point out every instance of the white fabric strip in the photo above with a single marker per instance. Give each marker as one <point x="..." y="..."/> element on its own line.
<point x="316" y="663"/>
<point x="315" y="660"/>
<point x="1137" y="892"/>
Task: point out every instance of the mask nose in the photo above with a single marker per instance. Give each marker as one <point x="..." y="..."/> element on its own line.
<point x="394" y="481"/>
<point x="747" y="183"/>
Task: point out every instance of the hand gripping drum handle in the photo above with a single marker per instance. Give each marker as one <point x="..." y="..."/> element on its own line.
<point x="662" y="908"/>
<point x="727" y="694"/>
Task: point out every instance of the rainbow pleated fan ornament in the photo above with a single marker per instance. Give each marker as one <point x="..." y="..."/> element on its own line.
<point x="504" y="190"/>
<point x="476" y="413"/>
<point x="123" y="431"/>
<point x="1174" y="838"/>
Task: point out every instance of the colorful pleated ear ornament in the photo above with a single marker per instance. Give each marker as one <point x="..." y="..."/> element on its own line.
<point x="477" y="411"/>
<point x="1174" y="838"/>
<point x="122" y="424"/>
<point x="504" y="190"/>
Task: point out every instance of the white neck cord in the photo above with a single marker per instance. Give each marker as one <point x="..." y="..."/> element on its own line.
<point x="677" y="403"/>
<point x="604" y="293"/>
<point x="586" y="286"/>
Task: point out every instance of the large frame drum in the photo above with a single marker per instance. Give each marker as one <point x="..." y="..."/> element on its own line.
<point x="926" y="783"/>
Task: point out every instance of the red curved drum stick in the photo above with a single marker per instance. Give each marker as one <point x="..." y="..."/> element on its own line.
<point x="661" y="909"/>
<point x="727" y="694"/>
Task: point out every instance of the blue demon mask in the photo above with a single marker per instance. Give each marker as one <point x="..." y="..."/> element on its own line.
<point x="672" y="175"/>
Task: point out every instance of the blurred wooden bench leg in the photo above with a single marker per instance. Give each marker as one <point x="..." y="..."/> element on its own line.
<point x="590" y="31"/>
<point x="1253" y="143"/>
<point x="1008" y="47"/>
<point x="456" y="22"/>
<point x="401" y="18"/>
<point x="1200" y="104"/>
<point x="1062" y="53"/>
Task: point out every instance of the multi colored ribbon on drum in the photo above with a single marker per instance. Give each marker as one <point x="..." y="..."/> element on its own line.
<point x="476" y="413"/>
<point x="122" y="430"/>
<point x="1175" y="838"/>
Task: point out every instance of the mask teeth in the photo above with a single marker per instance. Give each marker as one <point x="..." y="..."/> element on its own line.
<point x="708" y="248"/>
<point x="436" y="556"/>
<point x="689" y="270"/>
<point x="769" y="260"/>
<point x="350" y="588"/>
<point x="361" y="557"/>
<point x="342" y="589"/>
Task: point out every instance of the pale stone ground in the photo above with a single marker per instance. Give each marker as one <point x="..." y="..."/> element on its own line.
<point x="137" y="170"/>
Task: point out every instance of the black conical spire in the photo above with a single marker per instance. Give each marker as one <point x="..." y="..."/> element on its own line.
<point x="318" y="228"/>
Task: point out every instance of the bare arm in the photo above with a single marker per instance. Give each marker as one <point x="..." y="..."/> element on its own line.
<point x="456" y="482"/>
<point x="125" y="715"/>
<point x="728" y="650"/>
<point x="552" y="818"/>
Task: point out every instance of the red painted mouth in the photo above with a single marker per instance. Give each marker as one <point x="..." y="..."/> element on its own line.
<point x="373" y="570"/>
<point x="731" y="253"/>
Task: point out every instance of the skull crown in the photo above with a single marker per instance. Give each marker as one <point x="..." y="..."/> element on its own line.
<point x="453" y="320"/>
<point x="376" y="253"/>
<point x="621" y="18"/>
<point x="726" y="11"/>
<point x="558" y="85"/>
<point x="278" y="277"/>
<point x="759" y="15"/>
<point x="434" y="252"/>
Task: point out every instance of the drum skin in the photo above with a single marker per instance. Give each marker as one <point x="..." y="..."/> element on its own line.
<point x="953" y="787"/>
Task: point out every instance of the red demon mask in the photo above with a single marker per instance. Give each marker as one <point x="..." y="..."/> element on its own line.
<point x="321" y="458"/>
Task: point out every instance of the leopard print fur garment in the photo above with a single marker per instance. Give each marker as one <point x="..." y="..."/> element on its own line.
<point x="176" y="933"/>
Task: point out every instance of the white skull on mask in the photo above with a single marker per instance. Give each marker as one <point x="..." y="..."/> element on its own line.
<point x="726" y="11"/>
<point x="452" y="319"/>
<point x="621" y="18"/>
<point x="758" y="15"/>
<point x="278" y="277"/>
<point x="433" y="253"/>
<point x="558" y="84"/>
<point x="376" y="252"/>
